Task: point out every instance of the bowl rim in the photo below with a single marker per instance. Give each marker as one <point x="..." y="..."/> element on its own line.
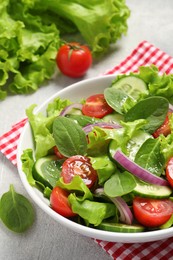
<point x="139" y="237"/>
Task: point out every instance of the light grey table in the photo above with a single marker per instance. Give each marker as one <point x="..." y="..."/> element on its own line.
<point x="47" y="239"/>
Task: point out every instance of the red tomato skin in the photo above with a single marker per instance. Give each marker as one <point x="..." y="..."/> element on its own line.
<point x="152" y="212"/>
<point x="96" y="106"/>
<point x="81" y="166"/>
<point x="164" y="128"/>
<point x="169" y="171"/>
<point x="74" y="59"/>
<point x="59" y="202"/>
<point x="57" y="153"/>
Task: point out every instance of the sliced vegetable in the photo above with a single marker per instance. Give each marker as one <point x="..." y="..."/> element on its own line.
<point x="138" y="171"/>
<point x="57" y="153"/>
<point x="152" y="212"/>
<point x="131" y="85"/>
<point x="125" y="212"/>
<point x="119" y="227"/>
<point x="169" y="171"/>
<point x="144" y="189"/>
<point x="70" y="107"/>
<point x="164" y="128"/>
<point x="47" y="170"/>
<point x="96" y="106"/>
<point x="59" y="202"/>
<point x="81" y="166"/>
<point x="88" y="128"/>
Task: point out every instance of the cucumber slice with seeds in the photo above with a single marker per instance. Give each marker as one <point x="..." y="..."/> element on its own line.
<point x="131" y="85"/>
<point x="152" y="191"/>
<point x="47" y="170"/>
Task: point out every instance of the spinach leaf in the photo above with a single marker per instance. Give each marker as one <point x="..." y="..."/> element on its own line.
<point x="149" y="156"/>
<point x="153" y="109"/>
<point x="69" y="137"/>
<point x="118" y="100"/>
<point x="119" y="184"/>
<point x="83" y="120"/>
<point x="16" y="211"/>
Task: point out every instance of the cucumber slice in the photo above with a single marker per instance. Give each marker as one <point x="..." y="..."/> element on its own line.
<point x="151" y="191"/>
<point x="131" y="85"/>
<point x="132" y="145"/>
<point x="47" y="170"/>
<point x="118" y="227"/>
<point x="114" y="117"/>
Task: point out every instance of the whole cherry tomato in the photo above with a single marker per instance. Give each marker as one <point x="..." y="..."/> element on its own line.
<point x="74" y="59"/>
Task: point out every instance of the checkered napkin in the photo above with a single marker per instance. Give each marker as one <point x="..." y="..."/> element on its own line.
<point x="144" y="54"/>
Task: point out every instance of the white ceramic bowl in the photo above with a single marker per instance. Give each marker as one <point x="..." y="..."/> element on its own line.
<point x="75" y="92"/>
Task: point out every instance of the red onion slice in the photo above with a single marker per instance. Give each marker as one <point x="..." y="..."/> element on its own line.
<point x="137" y="170"/>
<point x="69" y="108"/>
<point x="125" y="212"/>
<point x="126" y="215"/>
<point x="171" y="107"/>
<point x="88" y="128"/>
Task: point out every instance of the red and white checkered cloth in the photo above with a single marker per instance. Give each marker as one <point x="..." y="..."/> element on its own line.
<point x="144" y="54"/>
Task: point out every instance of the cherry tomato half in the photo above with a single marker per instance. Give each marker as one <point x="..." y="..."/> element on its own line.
<point x="152" y="212"/>
<point x="59" y="202"/>
<point x="81" y="166"/>
<point x="164" y="128"/>
<point x="169" y="171"/>
<point x="96" y="106"/>
<point x="74" y="59"/>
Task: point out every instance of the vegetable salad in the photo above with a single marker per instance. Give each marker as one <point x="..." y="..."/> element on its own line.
<point x="107" y="161"/>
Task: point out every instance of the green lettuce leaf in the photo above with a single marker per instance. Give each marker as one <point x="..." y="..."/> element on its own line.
<point x="78" y="186"/>
<point x="27" y="159"/>
<point x="42" y="126"/>
<point x="99" y="22"/>
<point x="160" y="85"/>
<point x="166" y="142"/>
<point x="91" y="211"/>
<point x="104" y="167"/>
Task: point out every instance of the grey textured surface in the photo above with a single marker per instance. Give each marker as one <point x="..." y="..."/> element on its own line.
<point x="151" y="21"/>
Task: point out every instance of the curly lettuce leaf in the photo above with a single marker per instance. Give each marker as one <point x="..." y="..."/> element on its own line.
<point x="99" y="22"/>
<point x="160" y="85"/>
<point x="27" y="51"/>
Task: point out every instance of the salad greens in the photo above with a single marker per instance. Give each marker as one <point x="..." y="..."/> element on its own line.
<point x="16" y="211"/>
<point x="31" y="32"/>
<point x="112" y="196"/>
